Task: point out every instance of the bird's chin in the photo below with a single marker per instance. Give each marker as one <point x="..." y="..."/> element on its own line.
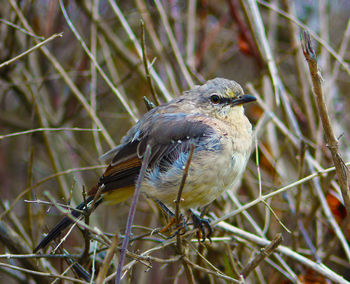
<point x="239" y="109"/>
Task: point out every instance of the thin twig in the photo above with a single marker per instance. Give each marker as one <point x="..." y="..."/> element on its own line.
<point x="48" y="141"/>
<point x="86" y="235"/>
<point x="145" y="161"/>
<point x="47" y="129"/>
<point x="29" y="189"/>
<point x="106" y="262"/>
<point x="265" y="48"/>
<point x="182" y="184"/>
<point x="188" y="270"/>
<point x="77" y="220"/>
<point x="35" y="255"/>
<point x="132" y="37"/>
<point x="145" y="64"/>
<point x="274" y="193"/>
<point x="263" y="253"/>
<point x="93" y="90"/>
<point x="173" y="43"/>
<point x="211" y="272"/>
<point x="20" y="29"/>
<point x="118" y="94"/>
<point x="232" y="262"/>
<point x="46" y="41"/>
<point x="43" y="275"/>
<point x="143" y="8"/>
<point x="291" y="275"/>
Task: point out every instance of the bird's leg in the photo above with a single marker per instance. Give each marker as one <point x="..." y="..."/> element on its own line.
<point x="169" y="213"/>
<point x="202" y="224"/>
<point x="165" y="209"/>
<point x="204" y="210"/>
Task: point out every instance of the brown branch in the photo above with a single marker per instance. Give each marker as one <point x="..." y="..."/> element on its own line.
<point x="332" y="142"/>
<point x="107" y="261"/>
<point x="30" y="50"/>
<point x="182" y="185"/>
<point x="188" y="269"/>
<point x="264" y="252"/>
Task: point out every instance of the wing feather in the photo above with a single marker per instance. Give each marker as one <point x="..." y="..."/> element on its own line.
<point x="167" y="134"/>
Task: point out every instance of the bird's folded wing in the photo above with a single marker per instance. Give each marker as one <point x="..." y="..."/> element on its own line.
<point x="167" y="134"/>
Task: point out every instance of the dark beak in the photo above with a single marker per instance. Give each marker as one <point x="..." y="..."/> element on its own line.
<point x="243" y="100"/>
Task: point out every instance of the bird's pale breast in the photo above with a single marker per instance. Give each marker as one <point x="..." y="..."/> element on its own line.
<point x="213" y="169"/>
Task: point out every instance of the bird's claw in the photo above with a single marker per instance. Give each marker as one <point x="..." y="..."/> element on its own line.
<point x="180" y="230"/>
<point x="181" y="226"/>
<point x="202" y="224"/>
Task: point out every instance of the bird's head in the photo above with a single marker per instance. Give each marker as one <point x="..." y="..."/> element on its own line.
<point x="220" y="98"/>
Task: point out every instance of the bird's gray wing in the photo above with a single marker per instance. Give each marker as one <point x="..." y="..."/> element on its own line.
<point x="167" y="134"/>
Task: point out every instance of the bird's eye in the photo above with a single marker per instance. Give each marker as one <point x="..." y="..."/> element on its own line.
<point x="215" y="99"/>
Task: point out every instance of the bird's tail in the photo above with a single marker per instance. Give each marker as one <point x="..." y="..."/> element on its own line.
<point x="67" y="221"/>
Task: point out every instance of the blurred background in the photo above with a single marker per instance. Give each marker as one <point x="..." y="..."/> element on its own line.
<point x="67" y="102"/>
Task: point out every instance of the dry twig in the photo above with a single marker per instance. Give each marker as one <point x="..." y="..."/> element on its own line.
<point x="332" y="142"/>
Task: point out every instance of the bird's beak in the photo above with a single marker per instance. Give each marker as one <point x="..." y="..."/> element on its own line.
<point x="243" y="100"/>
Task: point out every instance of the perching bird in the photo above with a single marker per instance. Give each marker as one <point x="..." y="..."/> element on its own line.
<point x="211" y="118"/>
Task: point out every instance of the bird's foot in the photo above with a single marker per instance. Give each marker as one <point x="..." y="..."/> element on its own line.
<point x="203" y="225"/>
<point x="167" y="226"/>
<point x="181" y="226"/>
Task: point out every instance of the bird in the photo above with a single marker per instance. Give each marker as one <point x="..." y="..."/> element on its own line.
<point x="210" y="119"/>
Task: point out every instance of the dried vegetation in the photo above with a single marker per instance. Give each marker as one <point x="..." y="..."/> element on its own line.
<point x="78" y="84"/>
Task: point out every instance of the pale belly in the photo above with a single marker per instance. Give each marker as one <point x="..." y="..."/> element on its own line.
<point x="208" y="178"/>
